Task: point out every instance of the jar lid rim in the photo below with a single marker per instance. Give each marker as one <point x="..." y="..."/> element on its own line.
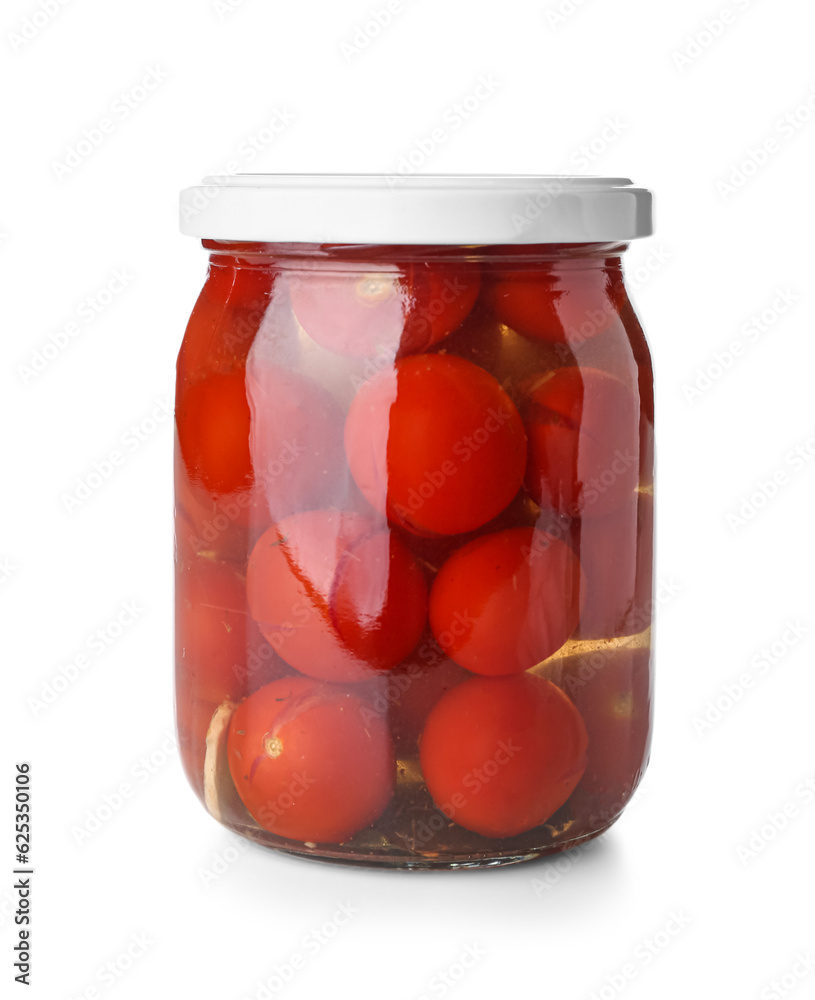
<point x="453" y="209"/>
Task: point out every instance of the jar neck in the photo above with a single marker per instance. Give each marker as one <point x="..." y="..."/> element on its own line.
<point x="567" y="256"/>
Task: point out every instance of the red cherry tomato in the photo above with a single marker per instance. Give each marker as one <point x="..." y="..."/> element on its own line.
<point x="500" y="755"/>
<point x="295" y="440"/>
<point x="312" y="585"/>
<point x="612" y="690"/>
<point x="617" y="552"/>
<point x="225" y="319"/>
<point x="436" y="443"/>
<point x="506" y="601"/>
<point x="213" y="433"/>
<point x="308" y="762"/>
<point x="218" y="646"/>
<point x="583" y="428"/>
<point x="563" y="305"/>
<point x="385" y="310"/>
<point x="218" y="527"/>
<point x="206" y="524"/>
<point x="211" y="628"/>
<point x="379" y="600"/>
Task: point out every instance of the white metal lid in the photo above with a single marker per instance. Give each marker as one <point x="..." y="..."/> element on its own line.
<point x="453" y="209"/>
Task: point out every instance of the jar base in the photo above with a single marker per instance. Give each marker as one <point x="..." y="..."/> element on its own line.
<point x="388" y="858"/>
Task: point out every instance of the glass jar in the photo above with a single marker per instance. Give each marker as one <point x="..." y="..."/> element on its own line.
<point x="414" y="515"/>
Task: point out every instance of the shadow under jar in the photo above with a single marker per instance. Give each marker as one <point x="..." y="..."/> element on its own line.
<point x="414" y="515"/>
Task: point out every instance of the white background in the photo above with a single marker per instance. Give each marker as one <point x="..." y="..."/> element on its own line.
<point x="599" y="91"/>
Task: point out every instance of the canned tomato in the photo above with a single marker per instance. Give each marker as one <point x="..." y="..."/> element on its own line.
<point x="414" y="515"/>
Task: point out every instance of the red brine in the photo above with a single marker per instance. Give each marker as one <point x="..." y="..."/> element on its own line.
<point x="414" y="517"/>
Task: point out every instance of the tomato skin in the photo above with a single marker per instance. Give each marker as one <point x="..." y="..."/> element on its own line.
<point x="386" y="310"/>
<point x="500" y="755"/>
<point x="218" y="646"/>
<point x="583" y="429"/>
<point x="211" y="628"/>
<point x="558" y="305"/>
<point x="309" y="762"/>
<point x="288" y="583"/>
<point x="436" y="444"/>
<point x="207" y="524"/>
<point x="213" y="432"/>
<point x="309" y="586"/>
<point x="259" y="433"/>
<point x="225" y="319"/>
<point x="506" y="601"/>
<point x="527" y="303"/>
<point x="441" y="297"/>
<point x="220" y="654"/>
<point x="378" y="603"/>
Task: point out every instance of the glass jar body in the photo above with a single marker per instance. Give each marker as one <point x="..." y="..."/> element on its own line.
<point x="414" y="546"/>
